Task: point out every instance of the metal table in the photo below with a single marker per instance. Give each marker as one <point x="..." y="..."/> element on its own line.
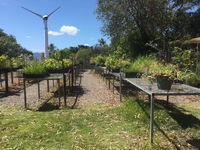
<point x="152" y="90"/>
<point x="52" y="77"/>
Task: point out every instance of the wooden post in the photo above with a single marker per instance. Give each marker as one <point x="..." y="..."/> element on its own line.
<point x="151" y="118"/>
<point x="24" y="83"/>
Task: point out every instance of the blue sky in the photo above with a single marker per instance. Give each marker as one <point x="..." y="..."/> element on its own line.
<point x="73" y="24"/>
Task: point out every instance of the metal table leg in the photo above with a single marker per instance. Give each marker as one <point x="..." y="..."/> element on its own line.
<point x="151" y="118"/>
<point x="64" y="89"/>
<point x="47" y="85"/>
<point x="109" y="82"/>
<point x="6" y="81"/>
<point x="1" y="80"/>
<point x="53" y="83"/>
<point x="24" y="84"/>
<point x="58" y="81"/>
<point x="167" y="99"/>
<point x="38" y="82"/>
<point x="113" y="85"/>
<point x="120" y="87"/>
<point x="12" y="81"/>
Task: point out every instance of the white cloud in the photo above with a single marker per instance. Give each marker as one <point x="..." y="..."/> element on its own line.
<point x="70" y="30"/>
<point x="86" y="45"/>
<point x="28" y="37"/>
<point x="55" y="33"/>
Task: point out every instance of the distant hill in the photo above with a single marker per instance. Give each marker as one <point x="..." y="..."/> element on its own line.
<point x="37" y="56"/>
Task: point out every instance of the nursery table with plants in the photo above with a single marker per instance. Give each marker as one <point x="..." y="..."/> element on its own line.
<point x="52" y="77"/>
<point x="152" y="90"/>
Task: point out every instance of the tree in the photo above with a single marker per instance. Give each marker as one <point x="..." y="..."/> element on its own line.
<point x="83" y="56"/>
<point x="102" y="42"/>
<point x="151" y="20"/>
<point x="10" y="47"/>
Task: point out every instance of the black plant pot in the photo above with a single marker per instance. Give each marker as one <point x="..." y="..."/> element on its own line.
<point x="131" y="74"/>
<point x="25" y="75"/>
<point x="164" y="83"/>
<point x="115" y="70"/>
<point x="65" y="70"/>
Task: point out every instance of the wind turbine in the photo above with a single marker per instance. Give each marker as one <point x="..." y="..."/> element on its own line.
<point x="45" y="20"/>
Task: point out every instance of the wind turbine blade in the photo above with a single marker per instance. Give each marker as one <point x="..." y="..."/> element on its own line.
<point x="53" y="11"/>
<point x="33" y="12"/>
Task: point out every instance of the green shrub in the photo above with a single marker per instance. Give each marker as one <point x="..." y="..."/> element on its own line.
<point x="190" y="77"/>
<point x="5" y="61"/>
<point x="35" y="68"/>
<point x="141" y="64"/>
<point x="116" y="63"/>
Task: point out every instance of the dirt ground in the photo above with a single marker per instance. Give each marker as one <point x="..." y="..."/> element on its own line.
<point x="90" y="89"/>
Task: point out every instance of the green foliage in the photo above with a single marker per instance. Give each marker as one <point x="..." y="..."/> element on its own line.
<point x="183" y="57"/>
<point x="190" y="77"/>
<point x="168" y="70"/>
<point x="113" y="62"/>
<point x="4" y="61"/>
<point x="20" y="60"/>
<point x="132" y="24"/>
<point x="142" y="64"/>
<point x="56" y="64"/>
<point x="83" y="55"/>
<point x="34" y="68"/>
<point x="51" y="63"/>
<point x="9" y="46"/>
<point x="66" y="63"/>
<point x="99" y="60"/>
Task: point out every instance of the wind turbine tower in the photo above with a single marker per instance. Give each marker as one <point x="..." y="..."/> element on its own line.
<point x="45" y="20"/>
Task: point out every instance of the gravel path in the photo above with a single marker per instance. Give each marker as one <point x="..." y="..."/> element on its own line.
<point x="95" y="90"/>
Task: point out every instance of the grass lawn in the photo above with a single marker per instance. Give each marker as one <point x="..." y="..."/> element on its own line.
<point x="102" y="126"/>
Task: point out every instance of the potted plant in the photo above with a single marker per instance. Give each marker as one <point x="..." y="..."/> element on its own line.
<point x="36" y="70"/>
<point x="164" y="75"/>
<point x="55" y="66"/>
<point x="131" y="71"/>
<point x="115" y="65"/>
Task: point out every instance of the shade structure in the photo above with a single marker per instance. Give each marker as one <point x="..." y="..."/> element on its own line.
<point x="197" y="41"/>
<point x="194" y="40"/>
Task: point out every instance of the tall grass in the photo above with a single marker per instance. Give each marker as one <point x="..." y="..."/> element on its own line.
<point x="141" y="64"/>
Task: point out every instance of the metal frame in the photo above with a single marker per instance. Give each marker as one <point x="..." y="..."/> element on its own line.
<point x="152" y="90"/>
<point x="52" y="77"/>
